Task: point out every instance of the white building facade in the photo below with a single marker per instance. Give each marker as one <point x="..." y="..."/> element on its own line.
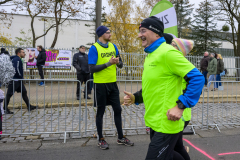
<point x="73" y="32"/>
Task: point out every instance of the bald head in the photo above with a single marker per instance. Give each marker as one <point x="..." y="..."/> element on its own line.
<point x="206" y="54"/>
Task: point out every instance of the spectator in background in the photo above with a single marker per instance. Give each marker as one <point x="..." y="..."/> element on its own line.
<point x="212" y="71"/>
<point x="16" y="85"/>
<point x="41" y="59"/>
<point x="203" y="66"/>
<point x="220" y="69"/>
<point x="80" y="62"/>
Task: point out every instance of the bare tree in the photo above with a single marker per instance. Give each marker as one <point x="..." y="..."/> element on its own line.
<point x="61" y="10"/>
<point x="230" y="10"/>
<point x="5" y="18"/>
<point x="34" y="8"/>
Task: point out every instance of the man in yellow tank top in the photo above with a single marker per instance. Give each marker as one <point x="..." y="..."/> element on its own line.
<point x="103" y="58"/>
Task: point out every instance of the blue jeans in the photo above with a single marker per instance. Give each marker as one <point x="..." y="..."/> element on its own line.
<point x="212" y="78"/>
<point x="205" y="76"/>
<point x="218" y="78"/>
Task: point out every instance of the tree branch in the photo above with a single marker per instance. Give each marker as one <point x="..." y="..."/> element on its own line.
<point x="232" y="13"/>
<point x="5" y="2"/>
<point x="46" y="31"/>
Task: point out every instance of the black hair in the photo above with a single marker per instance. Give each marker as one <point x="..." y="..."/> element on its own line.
<point x="2" y="50"/>
<point x="39" y="46"/>
<point x="18" y="50"/>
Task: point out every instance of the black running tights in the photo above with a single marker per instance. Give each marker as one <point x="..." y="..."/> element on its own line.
<point x="117" y="118"/>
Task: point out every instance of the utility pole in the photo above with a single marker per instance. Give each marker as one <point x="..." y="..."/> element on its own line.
<point x="44" y="32"/>
<point x="98" y="16"/>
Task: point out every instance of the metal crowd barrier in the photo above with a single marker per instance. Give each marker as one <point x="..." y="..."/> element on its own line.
<point x="215" y="108"/>
<point x="223" y="104"/>
<point x="58" y="110"/>
<point x="132" y="116"/>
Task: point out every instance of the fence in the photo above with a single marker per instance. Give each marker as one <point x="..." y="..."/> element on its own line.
<point x="133" y="66"/>
<point x="59" y="112"/>
<point x="132" y="116"/>
<point x="223" y="105"/>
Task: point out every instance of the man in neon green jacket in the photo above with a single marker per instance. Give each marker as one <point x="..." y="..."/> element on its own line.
<point x="164" y="69"/>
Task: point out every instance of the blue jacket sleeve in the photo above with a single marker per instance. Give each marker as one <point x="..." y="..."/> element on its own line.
<point x="92" y="55"/>
<point x="117" y="52"/>
<point x="195" y="82"/>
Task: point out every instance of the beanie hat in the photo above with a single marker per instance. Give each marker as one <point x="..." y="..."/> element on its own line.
<point x="81" y="46"/>
<point x="213" y="54"/>
<point x="154" y="24"/>
<point x="101" y="30"/>
<point x="184" y="45"/>
<point x="168" y="38"/>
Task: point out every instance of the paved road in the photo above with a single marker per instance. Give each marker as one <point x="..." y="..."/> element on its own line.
<point x="205" y="145"/>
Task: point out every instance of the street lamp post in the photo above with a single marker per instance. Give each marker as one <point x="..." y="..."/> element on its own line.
<point x="44" y="32"/>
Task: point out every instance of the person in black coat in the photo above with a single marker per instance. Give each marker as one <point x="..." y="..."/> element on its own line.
<point x="80" y="62"/>
<point x="41" y="59"/>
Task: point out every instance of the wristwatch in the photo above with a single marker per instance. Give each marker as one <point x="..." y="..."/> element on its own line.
<point x="180" y="105"/>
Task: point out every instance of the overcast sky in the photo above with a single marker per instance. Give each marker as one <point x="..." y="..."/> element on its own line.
<point x="105" y="3"/>
<point x="107" y="9"/>
<point x="196" y="2"/>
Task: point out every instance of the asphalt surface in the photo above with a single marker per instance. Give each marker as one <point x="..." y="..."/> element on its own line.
<point x="205" y="145"/>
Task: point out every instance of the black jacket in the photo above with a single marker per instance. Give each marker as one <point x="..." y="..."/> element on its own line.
<point x="204" y="63"/>
<point x="80" y="62"/>
<point x="41" y="58"/>
<point x="1" y="100"/>
<point x="18" y="65"/>
<point x="138" y="97"/>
